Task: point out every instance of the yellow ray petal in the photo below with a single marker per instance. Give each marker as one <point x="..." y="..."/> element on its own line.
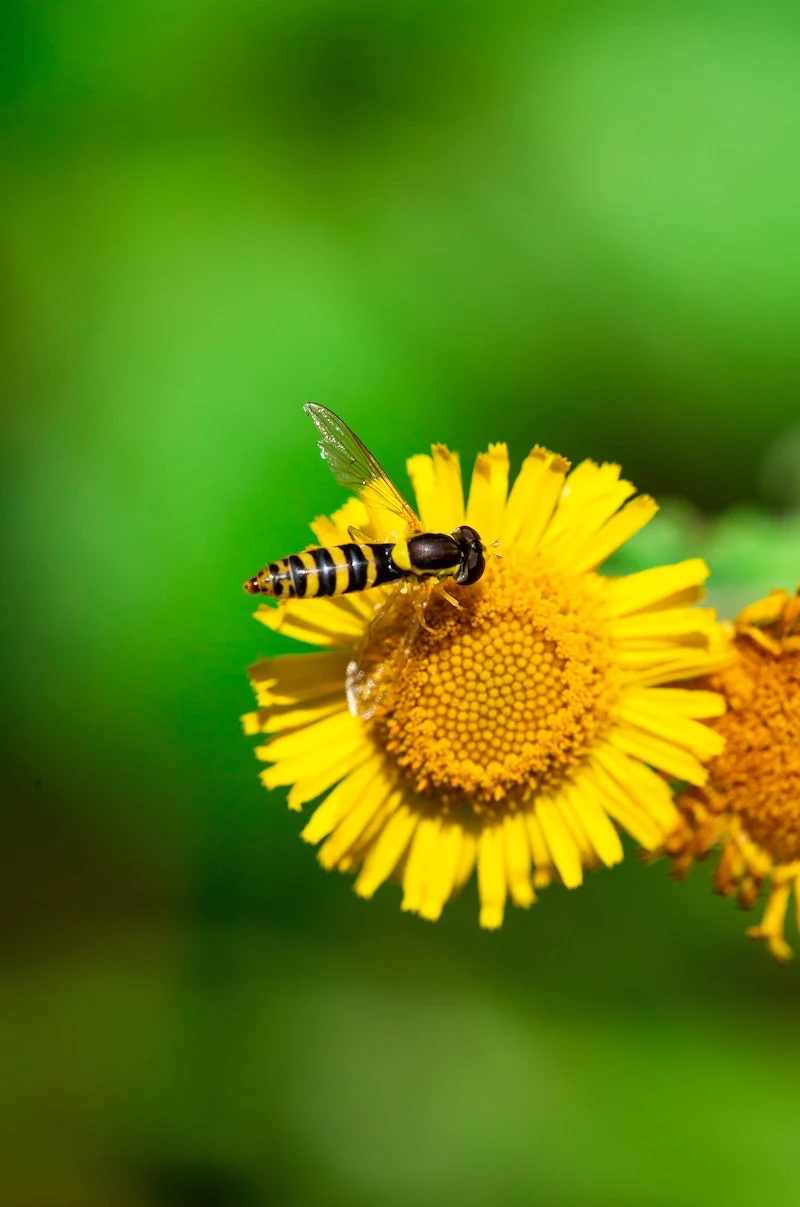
<point x="298" y="678"/>
<point x="688" y="664"/>
<point x="310" y="778"/>
<point x="311" y="756"/>
<point x="437" y="486"/>
<point x="492" y="884"/>
<point x="619" y="804"/>
<point x="658" y="586"/>
<point x="590" y="489"/>
<point x="466" y="859"/>
<point x="335" y="531"/>
<point x="673" y="624"/>
<point x="579" y="519"/>
<point x="574" y="823"/>
<point x="681" y="700"/>
<point x="344" y="797"/>
<point x="599" y="828"/>
<point x="324" y="768"/>
<point x="661" y="722"/>
<point x="289" y="716"/>
<point x="366" y="839"/>
<point x="540" y="852"/>
<point x="329" y="733"/>
<point x="656" y="752"/>
<point x="415" y="877"/>
<point x="560" y="842"/>
<point x="533" y="499"/>
<point x="317" y="621"/>
<point x="772" y="924"/>
<point x="375" y="793"/>
<point x="619" y="529"/>
<point x="488" y="491"/>
<point x="649" y="791"/>
<point x="646" y="787"/>
<point x="442" y="870"/>
<point x="518" y="859"/>
<point x="388" y="849"/>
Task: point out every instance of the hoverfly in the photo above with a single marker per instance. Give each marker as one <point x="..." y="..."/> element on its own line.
<point x="413" y="556"/>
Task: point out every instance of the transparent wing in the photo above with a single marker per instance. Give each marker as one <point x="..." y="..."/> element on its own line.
<point x="355" y="468"/>
<point x="393" y="632"/>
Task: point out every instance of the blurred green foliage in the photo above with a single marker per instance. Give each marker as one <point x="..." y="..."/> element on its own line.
<point x="572" y="225"/>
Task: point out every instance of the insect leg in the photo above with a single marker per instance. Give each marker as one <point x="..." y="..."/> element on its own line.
<point x="449" y="597"/>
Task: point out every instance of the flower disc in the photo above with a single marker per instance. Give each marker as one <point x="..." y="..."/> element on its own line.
<point x="501" y="697"/>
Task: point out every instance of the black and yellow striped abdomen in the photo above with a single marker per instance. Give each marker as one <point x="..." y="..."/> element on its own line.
<point x="335" y="570"/>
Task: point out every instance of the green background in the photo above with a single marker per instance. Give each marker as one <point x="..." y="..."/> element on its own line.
<point x="574" y="225"/>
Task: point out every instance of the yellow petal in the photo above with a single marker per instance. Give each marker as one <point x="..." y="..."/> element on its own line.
<point x="298" y="678"/>
<point x="488" y="491"/>
<point x="623" y="807"/>
<point x="599" y="828"/>
<point x="658" y="586"/>
<point x="387" y="851"/>
<point x="442" y="870"/>
<point x="646" y="787"/>
<point x="276" y="719"/>
<point x="309" y="778"/>
<point x="326" y="734"/>
<point x="335" y="531"/>
<point x="492" y="884"/>
<point x="518" y="859"/>
<point x="415" y="878"/>
<point x="540" y="852"/>
<point x="661" y="722"/>
<point x="590" y="491"/>
<point x="334" y="761"/>
<point x="656" y="752"/>
<point x="437" y="486"/>
<point x="317" y="621"/>
<point x="344" y="797"/>
<point x="466" y="859"/>
<point x="373" y="796"/>
<point x="533" y="499"/>
<point x="681" y="700"/>
<point x="560" y="842"/>
<point x="773" y="923"/>
<point x="652" y="630"/>
<point x="579" y="519"/>
<point x="619" y="529"/>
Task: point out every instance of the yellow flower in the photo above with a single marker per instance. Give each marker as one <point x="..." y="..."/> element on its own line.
<point x="512" y="732"/>
<point x="751" y="804"/>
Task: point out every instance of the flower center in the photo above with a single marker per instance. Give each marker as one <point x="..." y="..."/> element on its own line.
<point x="758" y="773"/>
<point x="504" y="697"/>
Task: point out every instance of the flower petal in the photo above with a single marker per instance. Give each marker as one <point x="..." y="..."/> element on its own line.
<point x="658" y="587"/>
<point x="419" y="858"/>
<point x="533" y="499"/>
<point x="488" y="491"/>
<point x="518" y="859"/>
<point x="317" y="621"/>
<point x="492" y="883"/>
<point x="344" y="797"/>
<point x="437" y="485"/>
<point x="387" y="850"/>
<point x="560" y="842"/>
<point x="442" y="870"/>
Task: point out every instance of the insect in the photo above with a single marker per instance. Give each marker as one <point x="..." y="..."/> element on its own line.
<point x="412" y="556"/>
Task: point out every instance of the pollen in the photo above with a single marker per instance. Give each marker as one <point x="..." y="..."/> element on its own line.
<point x="750" y="806"/>
<point x="758" y="773"/>
<point x="501" y="697"/>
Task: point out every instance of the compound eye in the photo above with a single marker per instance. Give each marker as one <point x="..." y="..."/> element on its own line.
<point x="476" y="565"/>
<point x="470" y="536"/>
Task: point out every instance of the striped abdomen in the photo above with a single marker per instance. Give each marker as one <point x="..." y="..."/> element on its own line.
<point x="331" y="571"/>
